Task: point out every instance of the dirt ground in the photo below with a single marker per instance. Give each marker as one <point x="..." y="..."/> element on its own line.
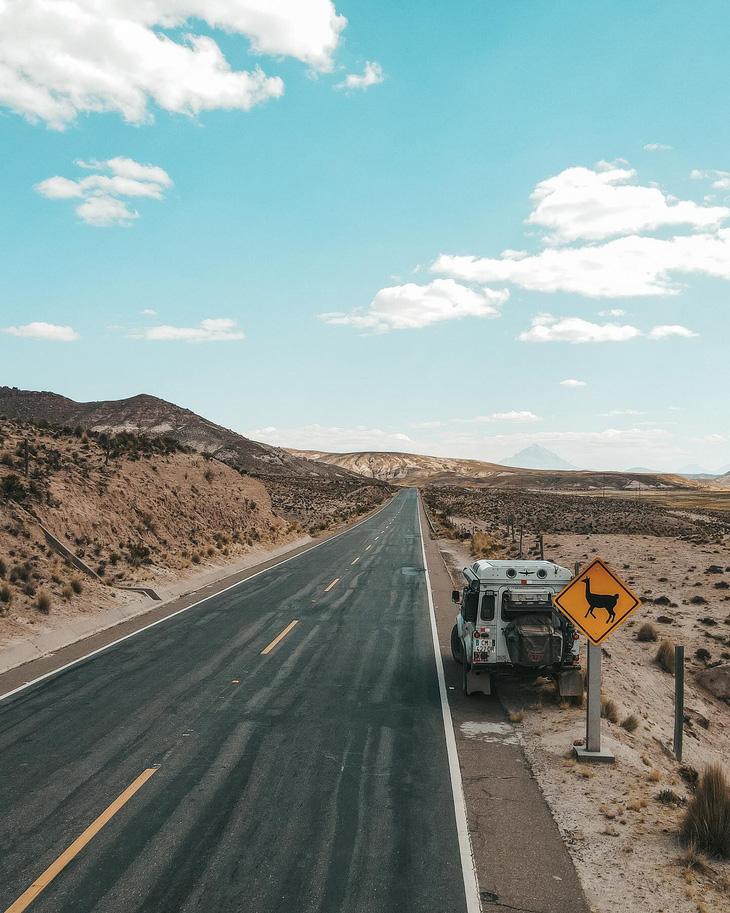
<point x="617" y="821"/>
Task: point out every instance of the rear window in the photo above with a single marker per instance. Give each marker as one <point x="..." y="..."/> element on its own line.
<point x="488" y="603"/>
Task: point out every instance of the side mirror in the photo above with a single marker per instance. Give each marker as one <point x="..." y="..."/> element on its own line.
<point x="455" y="596"/>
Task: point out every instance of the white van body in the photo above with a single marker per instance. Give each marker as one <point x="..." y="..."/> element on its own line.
<point x="507" y="623"/>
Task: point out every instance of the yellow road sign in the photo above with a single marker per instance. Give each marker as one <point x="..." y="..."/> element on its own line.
<point x="596" y="601"/>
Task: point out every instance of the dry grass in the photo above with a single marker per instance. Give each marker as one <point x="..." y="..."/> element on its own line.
<point x="486" y="546"/>
<point x="647" y="632"/>
<point x="665" y="656"/>
<point x="630" y="723"/>
<point x="517" y="716"/>
<point x="609" y="710"/>
<point x="706" y="822"/>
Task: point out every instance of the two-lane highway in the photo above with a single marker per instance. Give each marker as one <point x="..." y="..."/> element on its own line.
<point x="278" y="747"/>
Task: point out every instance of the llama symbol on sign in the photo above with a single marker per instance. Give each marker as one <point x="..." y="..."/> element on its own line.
<point x="600" y="601"/>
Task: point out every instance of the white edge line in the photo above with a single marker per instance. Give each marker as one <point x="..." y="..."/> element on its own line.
<point x="159" y="621"/>
<point x="468" y="866"/>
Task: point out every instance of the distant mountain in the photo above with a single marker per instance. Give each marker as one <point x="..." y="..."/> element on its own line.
<point x="723" y="469"/>
<point x="642" y="470"/>
<point x="155" y="417"/>
<point x="694" y="469"/>
<point x="417" y="469"/>
<point x="537" y="457"/>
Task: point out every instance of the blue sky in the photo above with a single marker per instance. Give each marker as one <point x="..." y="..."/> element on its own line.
<point x="387" y="203"/>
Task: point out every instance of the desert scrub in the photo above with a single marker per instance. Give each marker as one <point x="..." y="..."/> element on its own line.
<point x="647" y="632"/>
<point x="517" y="716"/>
<point x="3" y="568"/>
<point x="6" y="594"/>
<point x="67" y="593"/>
<point x="706" y="823"/>
<point x="77" y="585"/>
<point x="43" y="603"/>
<point x="609" y="710"/>
<point x="486" y="546"/>
<point x="630" y="723"/>
<point x="665" y="656"/>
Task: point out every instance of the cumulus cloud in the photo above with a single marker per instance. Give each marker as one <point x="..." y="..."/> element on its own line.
<point x="149" y="312"/>
<point x="221" y="329"/>
<point x="614" y="312"/>
<point x="372" y="75"/>
<point x="410" y="306"/>
<point x="662" y="332"/>
<point x="546" y="328"/>
<point x="720" y="179"/>
<point x="58" y="60"/>
<point x="103" y="193"/>
<point x="509" y="417"/>
<point x="571" y="382"/>
<point x="40" y="330"/>
<point x="622" y="412"/>
<point x="714" y="439"/>
<point x="596" y="223"/>
<point x="656" y="147"/>
<point x="624" y="267"/>
<point x="582" y="204"/>
<point x="322" y="437"/>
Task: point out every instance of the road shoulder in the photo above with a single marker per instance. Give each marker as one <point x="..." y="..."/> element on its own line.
<point x="522" y="863"/>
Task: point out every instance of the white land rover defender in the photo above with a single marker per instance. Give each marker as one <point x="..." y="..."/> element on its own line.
<point x="507" y="623"/>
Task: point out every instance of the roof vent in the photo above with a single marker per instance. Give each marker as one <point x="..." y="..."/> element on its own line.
<point x="511" y="572"/>
<point x="542" y="573"/>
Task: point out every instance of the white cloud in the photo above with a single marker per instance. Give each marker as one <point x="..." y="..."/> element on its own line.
<point x="624" y="267"/>
<point x="59" y="59"/>
<point x="546" y="328"/>
<point x="409" y="306"/>
<point x="571" y="382"/>
<point x="662" y="332"/>
<point x="221" y="329"/>
<point x="510" y="417"/>
<point x="581" y="204"/>
<point x="622" y="412"/>
<point x="614" y="312"/>
<point x="656" y="147"/>
<point x="720" y="179"/>
<point x="425" y="424"/>
<point x="714" y="439"/>
<point x="337" y="440"/>
<point x="149" y="312"/>
<point x="102" y="193"/>
<point x="372" y="75"/>
<point x="40" y="330"/>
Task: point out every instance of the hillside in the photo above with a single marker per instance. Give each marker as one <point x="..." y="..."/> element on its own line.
<point x="152" y="512"/>
<point x="154" y="417"/>
<point x="416" y="469"/>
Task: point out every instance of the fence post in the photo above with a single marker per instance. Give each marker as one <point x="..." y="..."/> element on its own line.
<point x="521" y="531"/>
<point x="542" y="547"/>
<point x="678" y="701"/>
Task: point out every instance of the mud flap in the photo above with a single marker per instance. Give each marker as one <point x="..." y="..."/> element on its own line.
<point x="570" y="683"/>
<point x="478" y="680"/>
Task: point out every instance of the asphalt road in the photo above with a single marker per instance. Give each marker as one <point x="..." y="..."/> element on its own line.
<point x="232" y="775"/>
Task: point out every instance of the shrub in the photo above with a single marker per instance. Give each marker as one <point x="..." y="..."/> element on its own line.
<point x="630" y="723"/>
<point x="3" y="568"/>
<point x="706" y="822"/>
<point x="6" y="594"/>
<point x="647" y="632"/>
<point x="485" y="546"/>
<point x="77" y="585"/>
<point x="665" y="656"/>
<point x="12" y="487"/>
<point x="67" y="593"/>
<point x="517" y="716"/>
<point x="43" y="604"/>
<point x="609" y="710"/>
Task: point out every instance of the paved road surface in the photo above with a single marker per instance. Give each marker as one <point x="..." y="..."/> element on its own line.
<point x="312" y="777"/>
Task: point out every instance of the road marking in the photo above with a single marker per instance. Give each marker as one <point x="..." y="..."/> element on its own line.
<point x="276" y="640"/>
<point x="91" y="831"/>
<point x="336" y="580"/>
<point x="468" y="866"/>
<point x="376" y="538"/>
<point x="355" y="561"/>
<point x="368" y="547"/>
<point x="153" y="624"/>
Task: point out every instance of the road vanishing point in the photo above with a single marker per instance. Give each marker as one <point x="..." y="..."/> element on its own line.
<point x="280" y="746"/>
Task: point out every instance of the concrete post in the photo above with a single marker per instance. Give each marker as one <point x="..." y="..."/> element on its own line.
<point x="678" y="701"/>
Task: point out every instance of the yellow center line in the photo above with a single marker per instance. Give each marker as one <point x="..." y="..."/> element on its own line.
<point x="355" y="561"/>
<point x="91" y="831"/>
<point x="332" y="584"/>
<point x="276" y="640"/>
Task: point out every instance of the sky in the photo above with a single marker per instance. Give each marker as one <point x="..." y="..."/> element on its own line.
<point x="453" y="229"/>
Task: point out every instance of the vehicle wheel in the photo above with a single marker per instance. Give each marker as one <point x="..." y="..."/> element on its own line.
<point x="457" y="648"/>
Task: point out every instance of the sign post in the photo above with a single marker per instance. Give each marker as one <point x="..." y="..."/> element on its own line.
<point x="592" y="592"/>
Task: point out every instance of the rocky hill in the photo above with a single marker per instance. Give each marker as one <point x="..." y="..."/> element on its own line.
<point x="156" y="417"/>
<point x="409" y="468"/>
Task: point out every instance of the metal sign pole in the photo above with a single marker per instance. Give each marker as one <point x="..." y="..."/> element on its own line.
<point x="593" y="699"/>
